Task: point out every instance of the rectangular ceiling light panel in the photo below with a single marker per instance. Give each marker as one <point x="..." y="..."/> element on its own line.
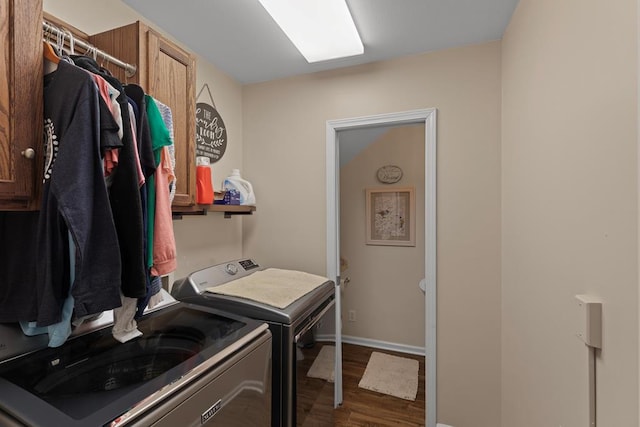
<point x="319" y="29"/>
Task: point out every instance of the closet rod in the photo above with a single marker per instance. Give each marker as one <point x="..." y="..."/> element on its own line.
<point x="130" y="70"/>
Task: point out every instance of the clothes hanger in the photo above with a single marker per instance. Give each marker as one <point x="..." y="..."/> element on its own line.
<point x="60" y="42"/>
<point x="50" y="54"/>
<point x="93" y="52"/>
<point x="47" y="50"/>
<point x="72" y="42"/>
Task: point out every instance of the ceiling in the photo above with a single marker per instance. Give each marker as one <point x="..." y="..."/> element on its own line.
<point x="241" y="39"/>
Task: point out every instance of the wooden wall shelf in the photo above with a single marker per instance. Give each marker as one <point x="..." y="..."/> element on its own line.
<point x="228" y="210"/>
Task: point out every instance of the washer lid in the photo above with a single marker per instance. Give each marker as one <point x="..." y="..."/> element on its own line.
<point x="93" y="379"/>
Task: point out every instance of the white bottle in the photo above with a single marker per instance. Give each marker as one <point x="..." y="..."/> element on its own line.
<point x="244" y="187"/>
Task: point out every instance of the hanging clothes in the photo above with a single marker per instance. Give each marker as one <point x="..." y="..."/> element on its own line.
<point x="124" y="196"/>
<point x="105" y="211"/>
<point x="60" y="331"/>
<point x="132" y="118"/>
<point x="109" y="94"/>
<point x="125" y="328"/>
<point x="164" y="245"/>
<point x="167" y="118"/>
<point x="75" y="200"/>
<point x="145" y="150"/>
<point x="164" y="250"/>
<point x="137" y="102"/>
<point x="159" y="138"/>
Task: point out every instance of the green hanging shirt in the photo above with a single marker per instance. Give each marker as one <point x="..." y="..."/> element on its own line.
<point x="160" y="137"/>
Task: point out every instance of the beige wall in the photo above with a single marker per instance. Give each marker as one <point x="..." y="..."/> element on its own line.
<point x="569" y="217"/>
<point x="200" y="240"/>
<point x="383" y="279"/>
<point x="284" y="157"/>
<point x="212" y="239"/>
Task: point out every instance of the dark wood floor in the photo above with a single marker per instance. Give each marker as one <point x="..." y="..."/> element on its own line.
<point x="360" y="407"/>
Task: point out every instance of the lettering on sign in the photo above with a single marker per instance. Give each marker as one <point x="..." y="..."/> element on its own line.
<point x="211" y="133"/>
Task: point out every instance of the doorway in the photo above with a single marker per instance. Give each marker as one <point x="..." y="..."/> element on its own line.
<point x="428" y="118"/>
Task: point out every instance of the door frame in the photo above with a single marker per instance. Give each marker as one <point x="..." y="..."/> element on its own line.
<point x="428" y="117"/>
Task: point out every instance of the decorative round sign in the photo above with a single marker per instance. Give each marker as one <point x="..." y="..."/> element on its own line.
<point x="211" y="133"/>
<point x="389" y="174"/>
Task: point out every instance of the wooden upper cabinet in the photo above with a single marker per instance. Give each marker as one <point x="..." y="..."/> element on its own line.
<point x="172" y="81"/>
<point x="166" y="72"/>
<point x="21" y="138"/>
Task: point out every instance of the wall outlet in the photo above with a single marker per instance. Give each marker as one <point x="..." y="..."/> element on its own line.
<point x="352" y="315"/>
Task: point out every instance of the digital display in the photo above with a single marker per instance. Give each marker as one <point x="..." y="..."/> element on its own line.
<point x="248" y="264"/>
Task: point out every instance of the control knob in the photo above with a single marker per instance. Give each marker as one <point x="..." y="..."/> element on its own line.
<point x="231" y="269"/>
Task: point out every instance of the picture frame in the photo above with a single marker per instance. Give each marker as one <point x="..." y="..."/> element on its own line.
<point x="390" y="216"/>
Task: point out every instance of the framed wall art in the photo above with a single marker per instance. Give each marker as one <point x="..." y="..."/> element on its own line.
<point x="390" y="216"/>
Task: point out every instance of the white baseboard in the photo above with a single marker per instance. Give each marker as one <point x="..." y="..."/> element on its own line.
<point x="366" y="342"/>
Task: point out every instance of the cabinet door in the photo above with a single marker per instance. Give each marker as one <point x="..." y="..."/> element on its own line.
<point x="172" y="82"/>
<point x="21" y="150"/>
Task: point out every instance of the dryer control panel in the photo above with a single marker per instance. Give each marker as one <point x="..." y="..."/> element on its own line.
<point x="198" y="282"/>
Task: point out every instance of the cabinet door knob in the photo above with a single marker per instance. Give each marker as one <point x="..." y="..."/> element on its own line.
<point x="29" y="153"/>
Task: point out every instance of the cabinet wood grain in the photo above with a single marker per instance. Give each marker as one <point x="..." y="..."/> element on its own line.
<point x="20" y="103"/>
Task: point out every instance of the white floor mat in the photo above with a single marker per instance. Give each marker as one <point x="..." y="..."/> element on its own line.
<point x="393" y="375"/>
